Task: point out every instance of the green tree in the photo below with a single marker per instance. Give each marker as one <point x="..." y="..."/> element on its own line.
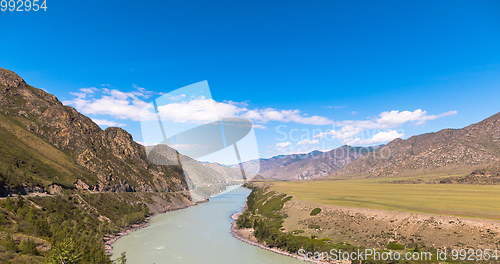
<point x="64" y="252"/>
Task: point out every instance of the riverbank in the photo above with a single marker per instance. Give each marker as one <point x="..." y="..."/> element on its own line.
<point x="246" y="235"/>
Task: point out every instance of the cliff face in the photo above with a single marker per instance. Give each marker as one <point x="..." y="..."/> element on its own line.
<point x="43" y="142"/>
<point x="450" y="150"/>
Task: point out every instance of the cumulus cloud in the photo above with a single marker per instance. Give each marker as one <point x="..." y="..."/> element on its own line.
<point x="115" y="104"/>
<point x="286" y="116"/>
<point x="133" y="106"/>
<point x="349" y="131"/>
<point x="198" y="111"/>
<point x="380" y="137"/>
<point x="283" y="144"/>
<point x="109" y="123"/>
<point x="395" y="118"/>
<point x="345" y="132"/>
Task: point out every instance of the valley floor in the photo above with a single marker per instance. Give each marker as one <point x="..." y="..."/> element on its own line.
<point x="371" y="213"/>
<point x="463" y="200"/>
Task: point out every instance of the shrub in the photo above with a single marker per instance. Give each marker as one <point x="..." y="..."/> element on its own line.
<point x="314" y="226"/>
<point x="315" y="211"/>
<point x="64" y="252"/>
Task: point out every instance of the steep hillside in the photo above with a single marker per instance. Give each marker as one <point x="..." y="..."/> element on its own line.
<point x="312" y="165"/>
<point x="452" y="151"/>
<point x="43" y="143"/>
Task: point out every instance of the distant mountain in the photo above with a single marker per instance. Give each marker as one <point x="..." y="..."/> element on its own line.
<point x="46" y="146"/>
<point x="451" y="151"/>
<point x="203" y="178"/>
<point x="312" y="165"/>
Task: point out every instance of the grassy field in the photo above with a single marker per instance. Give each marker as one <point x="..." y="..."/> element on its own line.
<point x="476" y="201"/>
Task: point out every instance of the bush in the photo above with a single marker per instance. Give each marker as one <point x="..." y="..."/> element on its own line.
<point x="395" y="246"/>
<point x="66" y="252"/>
<point x="315" y="211"/>
<point x="314" y="226"/>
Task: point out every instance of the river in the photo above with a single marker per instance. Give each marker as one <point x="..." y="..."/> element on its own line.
<point x="196" y="235"/>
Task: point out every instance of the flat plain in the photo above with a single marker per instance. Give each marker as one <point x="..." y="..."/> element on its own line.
<point x="465" y="200"/>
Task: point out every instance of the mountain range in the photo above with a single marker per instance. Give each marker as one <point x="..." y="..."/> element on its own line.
<point x="472" y="149"/>
<point x="313" y="165"/>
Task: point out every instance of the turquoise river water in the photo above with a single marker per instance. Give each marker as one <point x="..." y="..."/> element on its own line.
<point x="197" y="235"/>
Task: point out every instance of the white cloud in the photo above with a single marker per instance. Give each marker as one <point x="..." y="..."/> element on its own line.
<point x="349" y="130"/>
<point x="114" y="103"/>
<point x="283" y="144"/>
<point x="345" y="132"/>
<point x="380" y="137"/>
<point x="109" y="123"/>
<point x="395" y="118"/>
<point x="198" y="111"/>
<point x="308" y="142"/>
<point x="286" y="116"/>
<point x="132" y="106"/>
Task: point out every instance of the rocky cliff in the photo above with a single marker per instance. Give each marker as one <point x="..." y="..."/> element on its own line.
<point x="44" y="144"/>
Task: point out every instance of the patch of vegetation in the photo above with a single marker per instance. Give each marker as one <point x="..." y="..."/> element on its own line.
<point x="315" y="211"/>
<point x="296" y="232"/>
<point x="313" y="226"/>
<point x="74" y="225"/>
<point x="395" y="246"/>
<point x="28" y="247"/>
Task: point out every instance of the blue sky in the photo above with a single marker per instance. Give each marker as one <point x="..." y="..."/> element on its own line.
<point x="319" y="73"/>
